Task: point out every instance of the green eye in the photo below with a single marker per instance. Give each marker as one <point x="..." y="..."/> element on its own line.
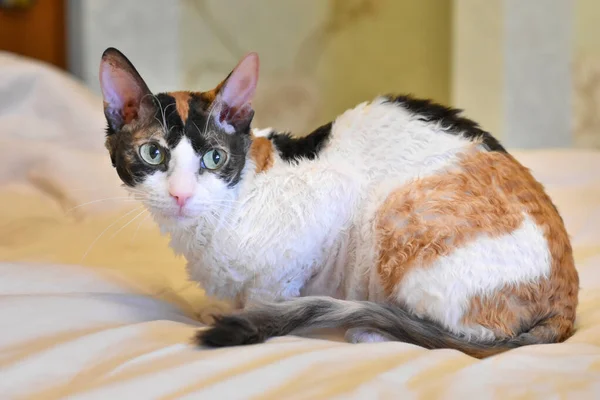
<point x="152" y="153"/>
<point x="213" y="159"/>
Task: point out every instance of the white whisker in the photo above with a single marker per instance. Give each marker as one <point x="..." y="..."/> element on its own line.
<point x="106" y="229"/>
<point x="123" y="198"/>
<point x="210" y="111"/>
<point x="222" y="201"/>
<point x="219" y="224"/>
<point x="127" y="224"/>
<point x="160" y="107"/>
<point x="164" y="117"/>
<point x="138" y="227"/>
<point x="199" y="131"/>
<point x="83" y="190"/>
<point x="130" y="189"/>
<point x="164" y="128"/>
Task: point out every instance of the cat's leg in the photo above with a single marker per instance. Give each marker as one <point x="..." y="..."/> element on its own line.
<point x="367" y="335"/>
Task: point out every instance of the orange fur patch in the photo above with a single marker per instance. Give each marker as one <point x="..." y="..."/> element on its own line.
<point x="182" y="104"/>
<point x="211" y="95"/>
<point x="486" y="193"/>
<point x="261" y="152"/>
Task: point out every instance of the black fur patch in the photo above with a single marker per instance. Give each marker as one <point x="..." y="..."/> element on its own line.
<point x="308" y="147"/>
<point x="449" y="118"/>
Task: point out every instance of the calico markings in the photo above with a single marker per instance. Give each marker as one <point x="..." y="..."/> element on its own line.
<point x="487" y="195"/>
<point x="433" y="216"/>
<point x="400" y="201"/>
<point x="176" y="115"/>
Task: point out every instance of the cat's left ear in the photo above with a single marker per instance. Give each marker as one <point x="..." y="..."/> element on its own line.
<point x="235" y="94"/>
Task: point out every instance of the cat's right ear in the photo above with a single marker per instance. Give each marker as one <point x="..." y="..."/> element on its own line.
<point x="127" y="99"/>
<point x="235" y="94"/>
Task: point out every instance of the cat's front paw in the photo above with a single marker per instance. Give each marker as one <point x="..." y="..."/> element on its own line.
<point x="230" y="330"/>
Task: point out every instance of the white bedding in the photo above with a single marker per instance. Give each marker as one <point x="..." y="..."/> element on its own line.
<point x="113" y="317"/>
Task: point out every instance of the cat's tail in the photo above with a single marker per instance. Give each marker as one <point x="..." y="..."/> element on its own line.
<point x="306" y="313"/>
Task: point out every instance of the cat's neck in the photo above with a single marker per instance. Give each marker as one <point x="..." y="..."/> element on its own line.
<point x="190" y="235"/>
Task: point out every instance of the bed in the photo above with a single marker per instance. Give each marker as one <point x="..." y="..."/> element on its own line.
<point x="93" y="304"/>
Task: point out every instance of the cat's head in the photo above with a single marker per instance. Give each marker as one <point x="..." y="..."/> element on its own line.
<point x="182" y="153"/>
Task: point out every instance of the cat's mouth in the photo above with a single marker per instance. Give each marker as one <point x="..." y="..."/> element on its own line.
<point x="173" y="213"/>
<point x="189" y="213"/>
<point x="179" y="214"/>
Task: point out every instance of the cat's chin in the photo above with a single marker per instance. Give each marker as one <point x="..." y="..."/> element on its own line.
<point x="184" y="219"/>
<point x="174" y="219"/>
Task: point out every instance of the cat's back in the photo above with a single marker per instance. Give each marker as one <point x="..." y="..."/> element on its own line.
<point x="402" y="137"/>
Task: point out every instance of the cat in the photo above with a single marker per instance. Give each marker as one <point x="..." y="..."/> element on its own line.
<point x="400" y="220"/>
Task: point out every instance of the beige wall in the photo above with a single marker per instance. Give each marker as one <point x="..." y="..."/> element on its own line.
<point x="397" y="46"/>
<point x="587" y="26"/>
<point x="320" y="57"/>
<point x="586" y="74"/>
<point x="477" y="62"/>
<point x="512" y="69"/>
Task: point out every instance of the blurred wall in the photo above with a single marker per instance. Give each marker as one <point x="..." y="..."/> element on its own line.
<point x="146" y="31"/>
<point x="586" y="74"/>
<point x="529" y="72"/>
<point x="393" y="47"/>
<point x="512" y="69"/>
<point x="587" y="26"/>
<point x="318" y="57"/>
<point x="215" y="35"/>
<point x="478" y="61"/>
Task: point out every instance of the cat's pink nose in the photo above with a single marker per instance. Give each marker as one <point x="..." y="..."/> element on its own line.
<point x="181" y="198"/>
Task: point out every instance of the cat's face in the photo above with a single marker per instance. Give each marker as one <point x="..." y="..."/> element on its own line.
<point x="182" y="153"/>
